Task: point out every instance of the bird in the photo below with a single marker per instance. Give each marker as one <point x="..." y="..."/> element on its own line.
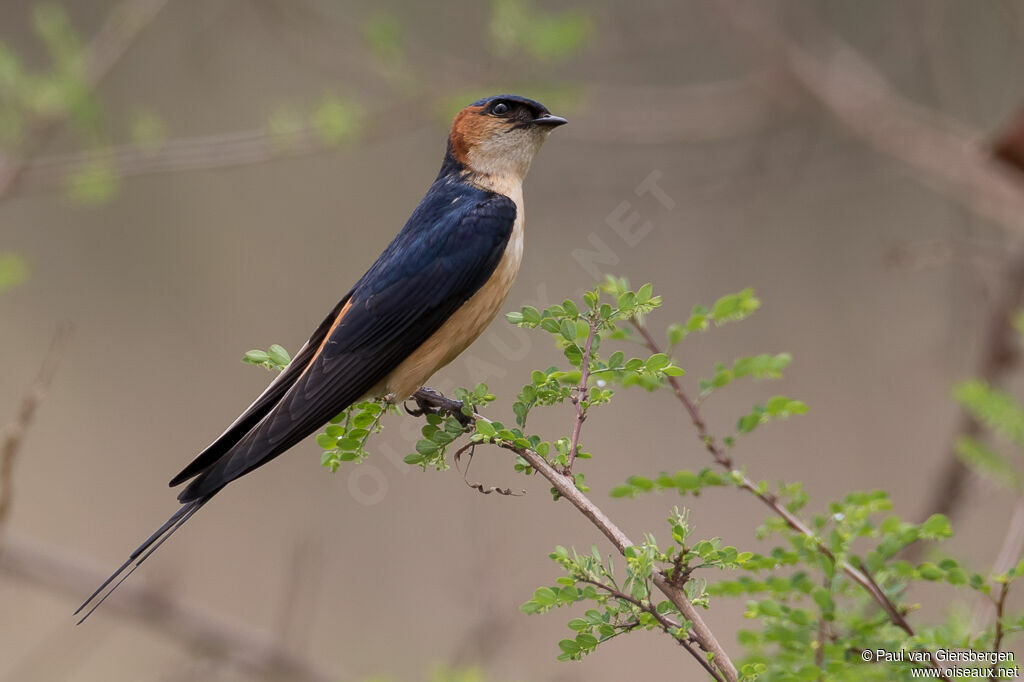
<point x="427" y="297"/>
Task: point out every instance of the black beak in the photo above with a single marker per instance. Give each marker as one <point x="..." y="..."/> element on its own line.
<point x="549" y="121"/>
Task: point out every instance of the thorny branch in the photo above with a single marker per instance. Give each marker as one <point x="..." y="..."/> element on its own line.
<point x="566" y="487"/>
<point x="861" y="577"/>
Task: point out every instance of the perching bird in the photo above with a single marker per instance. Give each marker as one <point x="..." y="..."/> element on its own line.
<point x="429" y="295"/>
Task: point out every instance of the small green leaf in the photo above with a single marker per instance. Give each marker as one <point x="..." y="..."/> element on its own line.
<point x="256" y="356"/>
<point x="568" y="330"/>
<point x="13" y="270"/>
<point x="279" y="355"/>
<point x="545" y="596"/>
<point x="657" y="362"/>
<point x="569" y="646"/>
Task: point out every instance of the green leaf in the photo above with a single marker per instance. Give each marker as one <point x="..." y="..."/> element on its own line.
<point x="13" y="270"/>
<point x="517" y="28"/>
<point x="93" y="184"/>
<point x="569" y="646"/>
<point x="568" y="330"/>
<point x="936" y="527"/>
<point x="823" y="598"/>
<point x="769" y="608"/>
<point x="545" y="596"/>
<point x="657" y="362"/>
<point x="256" y="356"/>
<point x="279" y="355"/>
<point x="426" y="448"/>
<point x="579" y="624"/>
<point x="383" y="35"/>
<point x="995" y="408"/>
<point x="676" y="333"/>
<point x="988" y="463"/>
<point x="641" y="483"/>
<point x="734" y="307"/>
<point x="622" y="491"/>
<point x="336" y="120"/>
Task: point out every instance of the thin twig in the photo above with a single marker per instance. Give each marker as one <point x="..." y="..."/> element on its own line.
<point x="566" y="488"/>
<point x="1000" y="601"/>
<point x="862" y="578"/>
<point x="819" y="652"/>
<point x="1009" y="555"/>
<point x="666" y="623"/>
<point x="579" y="396"/>
<point x="123" y="25"/>
<point x="203" y="152"/>
<point x="14" y="434"/>
<point x="793" y="521"/>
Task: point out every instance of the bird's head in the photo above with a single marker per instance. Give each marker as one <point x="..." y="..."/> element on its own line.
<point x="498" y="136"/>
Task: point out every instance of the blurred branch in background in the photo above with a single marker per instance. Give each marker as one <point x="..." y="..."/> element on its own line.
<point x="1001" y="344"/>
<point x="635" y="114"/>
<point x="76" y="73"/>
<point x="212" y="151"/>
<point x="256" y="654"/>
<point x="47" y="569"/>
<point x="716" y="110"/>
<point x="14" y="434"/>
<point x="947" y="156"/>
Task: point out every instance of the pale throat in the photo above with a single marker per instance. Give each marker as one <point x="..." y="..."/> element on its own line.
<point x="500" y="163"/>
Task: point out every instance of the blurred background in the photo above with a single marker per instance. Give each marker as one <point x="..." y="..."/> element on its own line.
<point x="182" y="181"/>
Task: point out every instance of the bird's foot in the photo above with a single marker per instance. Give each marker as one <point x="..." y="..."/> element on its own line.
<point x="429" y="401"/>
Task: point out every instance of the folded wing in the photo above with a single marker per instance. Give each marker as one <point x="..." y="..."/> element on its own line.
<point x="444" y="254"/>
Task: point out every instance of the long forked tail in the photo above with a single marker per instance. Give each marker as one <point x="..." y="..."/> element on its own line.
<point x="142" y="553"/>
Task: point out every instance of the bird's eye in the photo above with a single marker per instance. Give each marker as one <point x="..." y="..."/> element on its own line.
<point x="500" y="109"/>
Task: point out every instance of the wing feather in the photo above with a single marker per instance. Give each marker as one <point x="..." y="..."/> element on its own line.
<point x="435" y="264"/>
<point x="264" y="403"/>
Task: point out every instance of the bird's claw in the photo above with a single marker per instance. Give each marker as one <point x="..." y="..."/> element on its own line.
<point x="429" y="401"/>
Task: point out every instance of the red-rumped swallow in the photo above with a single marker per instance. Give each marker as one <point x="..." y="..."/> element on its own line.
<point x="429" y="295"/>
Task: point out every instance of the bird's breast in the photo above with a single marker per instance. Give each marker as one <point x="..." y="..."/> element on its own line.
<point x="468" y="322"/>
